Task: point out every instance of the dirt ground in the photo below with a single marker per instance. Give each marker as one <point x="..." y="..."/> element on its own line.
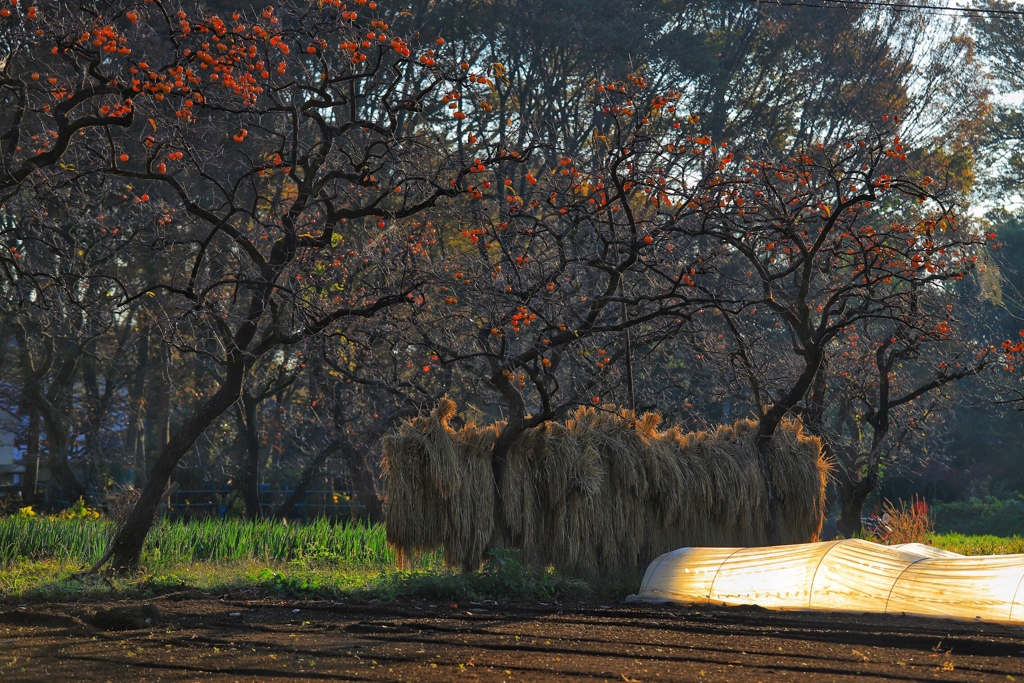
<point x="196" y="638"/>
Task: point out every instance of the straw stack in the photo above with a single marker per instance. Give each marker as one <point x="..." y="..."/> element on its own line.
<point x="601" y="493"/>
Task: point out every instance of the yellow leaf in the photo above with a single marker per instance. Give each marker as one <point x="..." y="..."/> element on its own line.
<point x="499" y="71"/>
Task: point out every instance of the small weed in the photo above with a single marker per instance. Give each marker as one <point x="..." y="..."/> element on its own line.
<point x="79" y="511"/>
<point x="905" y="523"/>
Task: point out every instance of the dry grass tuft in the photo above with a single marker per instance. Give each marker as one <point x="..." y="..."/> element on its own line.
<point x="604" y="492"/>
<point x="907" y="523"/>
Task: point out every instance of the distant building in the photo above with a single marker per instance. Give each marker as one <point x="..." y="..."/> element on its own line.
<point x="10" y="473"/>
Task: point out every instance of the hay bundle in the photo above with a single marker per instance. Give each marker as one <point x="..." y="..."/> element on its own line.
<point x="603" y="492"/>
<point x="440" y="487"/>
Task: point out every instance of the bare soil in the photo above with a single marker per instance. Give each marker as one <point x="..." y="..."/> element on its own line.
<point x="198" y="638"/>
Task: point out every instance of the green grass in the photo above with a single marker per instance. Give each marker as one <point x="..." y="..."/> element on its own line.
<point x="175" y="543"/>
<point x="39" y="558"/>
<point x="978" y="545"/>
<point x="54" y="581"/>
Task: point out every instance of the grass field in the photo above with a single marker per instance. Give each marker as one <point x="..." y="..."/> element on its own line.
<point x="978" y="545"/>
<point x="176" y="543"/>
<point x="39" y="557"/>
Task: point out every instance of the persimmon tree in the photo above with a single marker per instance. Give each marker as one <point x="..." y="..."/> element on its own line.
<point x="554" y="265"/>
<point x="53" y="259"/>
<point x="412" y="217"/>
<point x="831" y="241"/>
<point x="563" y="268"/>
<point x="887" y="388"/>
<point x="52" y="88"/>
<point x="286" y="147"/>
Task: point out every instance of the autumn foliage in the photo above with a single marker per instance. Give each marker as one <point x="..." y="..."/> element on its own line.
<point x="343" y="197"/>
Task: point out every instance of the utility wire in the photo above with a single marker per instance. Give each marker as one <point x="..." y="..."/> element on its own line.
<point x="931" y="9"/>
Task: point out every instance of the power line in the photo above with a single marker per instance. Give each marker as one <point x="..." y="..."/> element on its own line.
<point x="931" y="9"/>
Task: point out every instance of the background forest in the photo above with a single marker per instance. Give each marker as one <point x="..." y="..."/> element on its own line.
<point x="241" y="244"/>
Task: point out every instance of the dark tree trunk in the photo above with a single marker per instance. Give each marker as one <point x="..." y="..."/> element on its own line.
<point x="769" y="424"/>
<point x="312" y="469"/>
<point x="157" y="426"/>
<point x="853" y="495"/>
<point x="97" y="402"/>
<point x="514" y="427"/>
<point x="50" y="406"/>
<point x="366" y="492"/>
<point x="365" y="476"/>
<point x="628" y="348"/>
<point x="127" y="544"/>
<point x="249" y="475"/>
<point x="29" y="483"/>
<point x="58" y="448"/>
<point x="135" y="439"/>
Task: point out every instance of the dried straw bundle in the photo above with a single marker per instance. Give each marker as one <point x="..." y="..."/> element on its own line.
<point x="440" y="487"/>
<point x="604" y="492"/>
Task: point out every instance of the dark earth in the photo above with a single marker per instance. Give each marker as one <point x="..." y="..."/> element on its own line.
<point x="191" y="637"/>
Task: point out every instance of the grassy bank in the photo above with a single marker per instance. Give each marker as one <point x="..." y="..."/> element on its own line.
<point x="54" y="581"/>
<point x="39" y="557"/>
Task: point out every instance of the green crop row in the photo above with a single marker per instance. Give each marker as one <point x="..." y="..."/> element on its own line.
<point x="181" y="542"/>
<point x="352" y="544"/>
<point x="978" y="545"/>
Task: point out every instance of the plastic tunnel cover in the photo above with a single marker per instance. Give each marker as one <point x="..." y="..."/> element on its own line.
<point x="851" y="575"/>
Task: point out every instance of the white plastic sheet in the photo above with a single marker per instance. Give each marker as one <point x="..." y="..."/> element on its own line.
<point x="850" y="575"/>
